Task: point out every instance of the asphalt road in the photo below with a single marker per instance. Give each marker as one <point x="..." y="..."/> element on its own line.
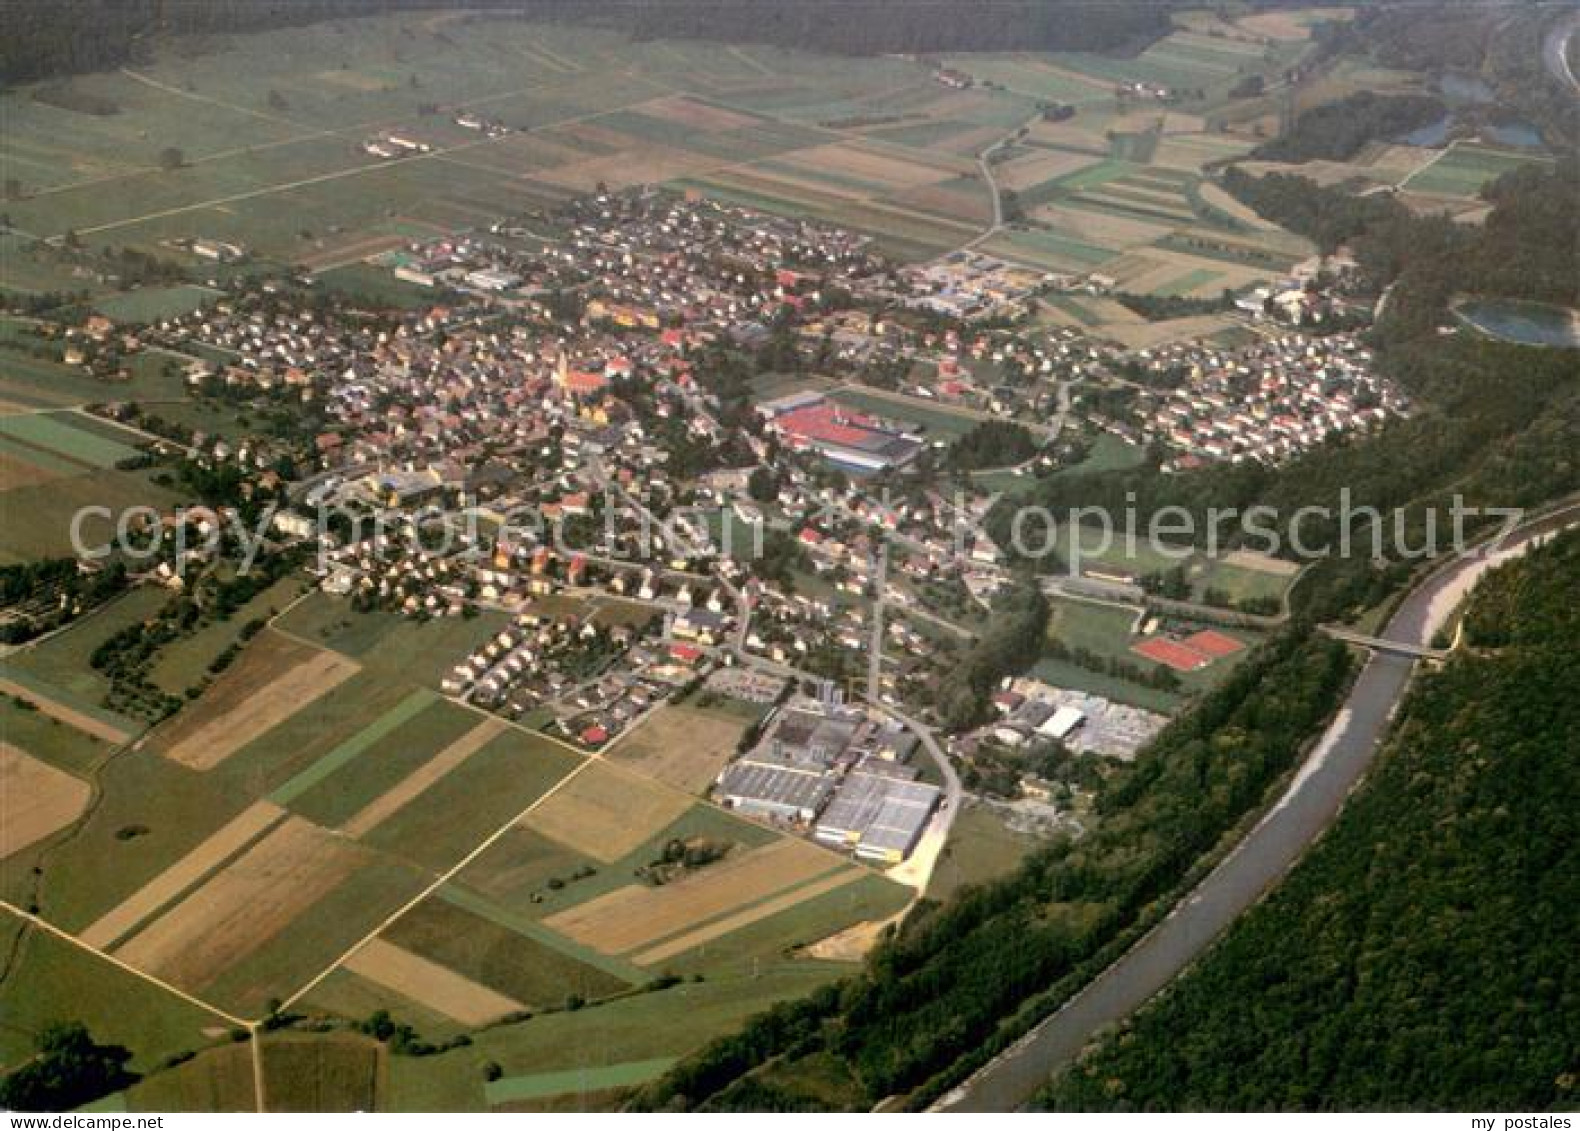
<point x="1309" y="805"/>
<point x="1555" y="53"/>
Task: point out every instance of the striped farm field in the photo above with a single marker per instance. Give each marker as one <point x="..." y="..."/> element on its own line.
<point x="1191" y="281"/>
<point x="746" y="917"/>
<point x="183" y="875"/>
<point x="55" y="432"/>
<point x="274" y="679"/>
<point x="528" y="874"/>
<point x="435" y="986"/>
<point x="36" y="799"/>
<point x="455" y="813"/>
<point x="244" y="905"/>
<point x="410" y="787"/>
<point x="95" y="724"/>
<point x="607" y="811"/>
<point x="24" y="465"/>
<point x="1094" y="175"/>
<point x="346" y="752"/>
<point x="484" y="951"/>
<point x="1464" y="169"/>
<point x="1050" y="251"/>
<point x="633" y="917"/>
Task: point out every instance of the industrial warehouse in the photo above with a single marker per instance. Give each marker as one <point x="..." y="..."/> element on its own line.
<point x="830" y="770"/>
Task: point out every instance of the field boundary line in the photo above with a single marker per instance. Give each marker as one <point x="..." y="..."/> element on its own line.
<point x="152" y="979"/>
<point x="409" y="788"/>
<point x="124" y="920"/>
<point x="847" y="873"/>
<point x="192" y="96"/>
<point x="465" y="898"/>
<point x="706" y="932"/>
<point x="1427" y="164"/>
<point x="444" y="877"/>
<point x="354" y="746"/>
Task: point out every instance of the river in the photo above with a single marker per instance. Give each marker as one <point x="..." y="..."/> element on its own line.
<point x="1309" y="805"/>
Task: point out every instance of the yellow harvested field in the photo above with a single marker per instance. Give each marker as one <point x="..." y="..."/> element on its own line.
<point x="681" y="746"/>
<point x="634" y="916"/>
<point x="1072" y="134"/>
<point x="411" y="787"/>
<point x="853" y="943"/>
<point x="890" y="171"/>
<point x="245" y="905"/>
<point x="72" y="717"/>
<point x="808" y="181"/>
<point x="1149" y="335"/>
<point x="1190" y="152"/>
<point x="741" y="919"/>
<point x="275" y="678"/>
<point x="121" y="920"/>
<point x="1221" y="200"/>
<point x="698" y="115"/>
<point x="605" y="812"/>
<point x="1043" y="165"/>
<point x="1102" y="228"/>
<point x="427" y="983"/>
<point x="36" y="799"/>
<point x="1396" y="162"/>
<point x="637" y="165"/>
<point x="1293" y="25"/>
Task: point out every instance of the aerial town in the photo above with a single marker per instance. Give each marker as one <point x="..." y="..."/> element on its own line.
<point x="710" y="557"/>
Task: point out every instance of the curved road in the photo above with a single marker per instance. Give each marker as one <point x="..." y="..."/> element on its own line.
<point x="1555" y="53"/>
<point x="1309" y="805"/>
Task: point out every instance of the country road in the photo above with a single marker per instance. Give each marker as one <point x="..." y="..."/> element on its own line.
<point x="1555" y="52"/>
<point x="1309" y="805"/>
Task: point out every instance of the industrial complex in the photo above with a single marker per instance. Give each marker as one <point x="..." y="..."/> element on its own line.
<point x="832" y="771"/>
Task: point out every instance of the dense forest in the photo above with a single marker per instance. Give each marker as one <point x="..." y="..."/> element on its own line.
<point x="51" y="37"/>
<point x="992" y="443"/>
<point x="1423" y="955"/>
<point x="1338" y="130"/>
<point x="962" y="980"/>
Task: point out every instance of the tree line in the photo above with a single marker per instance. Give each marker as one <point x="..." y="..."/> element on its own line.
<point x="1422" y="956"/>
<point x="48" y="38"/>
<point x="1338" y="130"/>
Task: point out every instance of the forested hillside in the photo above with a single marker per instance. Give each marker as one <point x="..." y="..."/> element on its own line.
<point x="1423" y="955"/>
<point x="1500" y="43"/>
<point x="49" y="37"/>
